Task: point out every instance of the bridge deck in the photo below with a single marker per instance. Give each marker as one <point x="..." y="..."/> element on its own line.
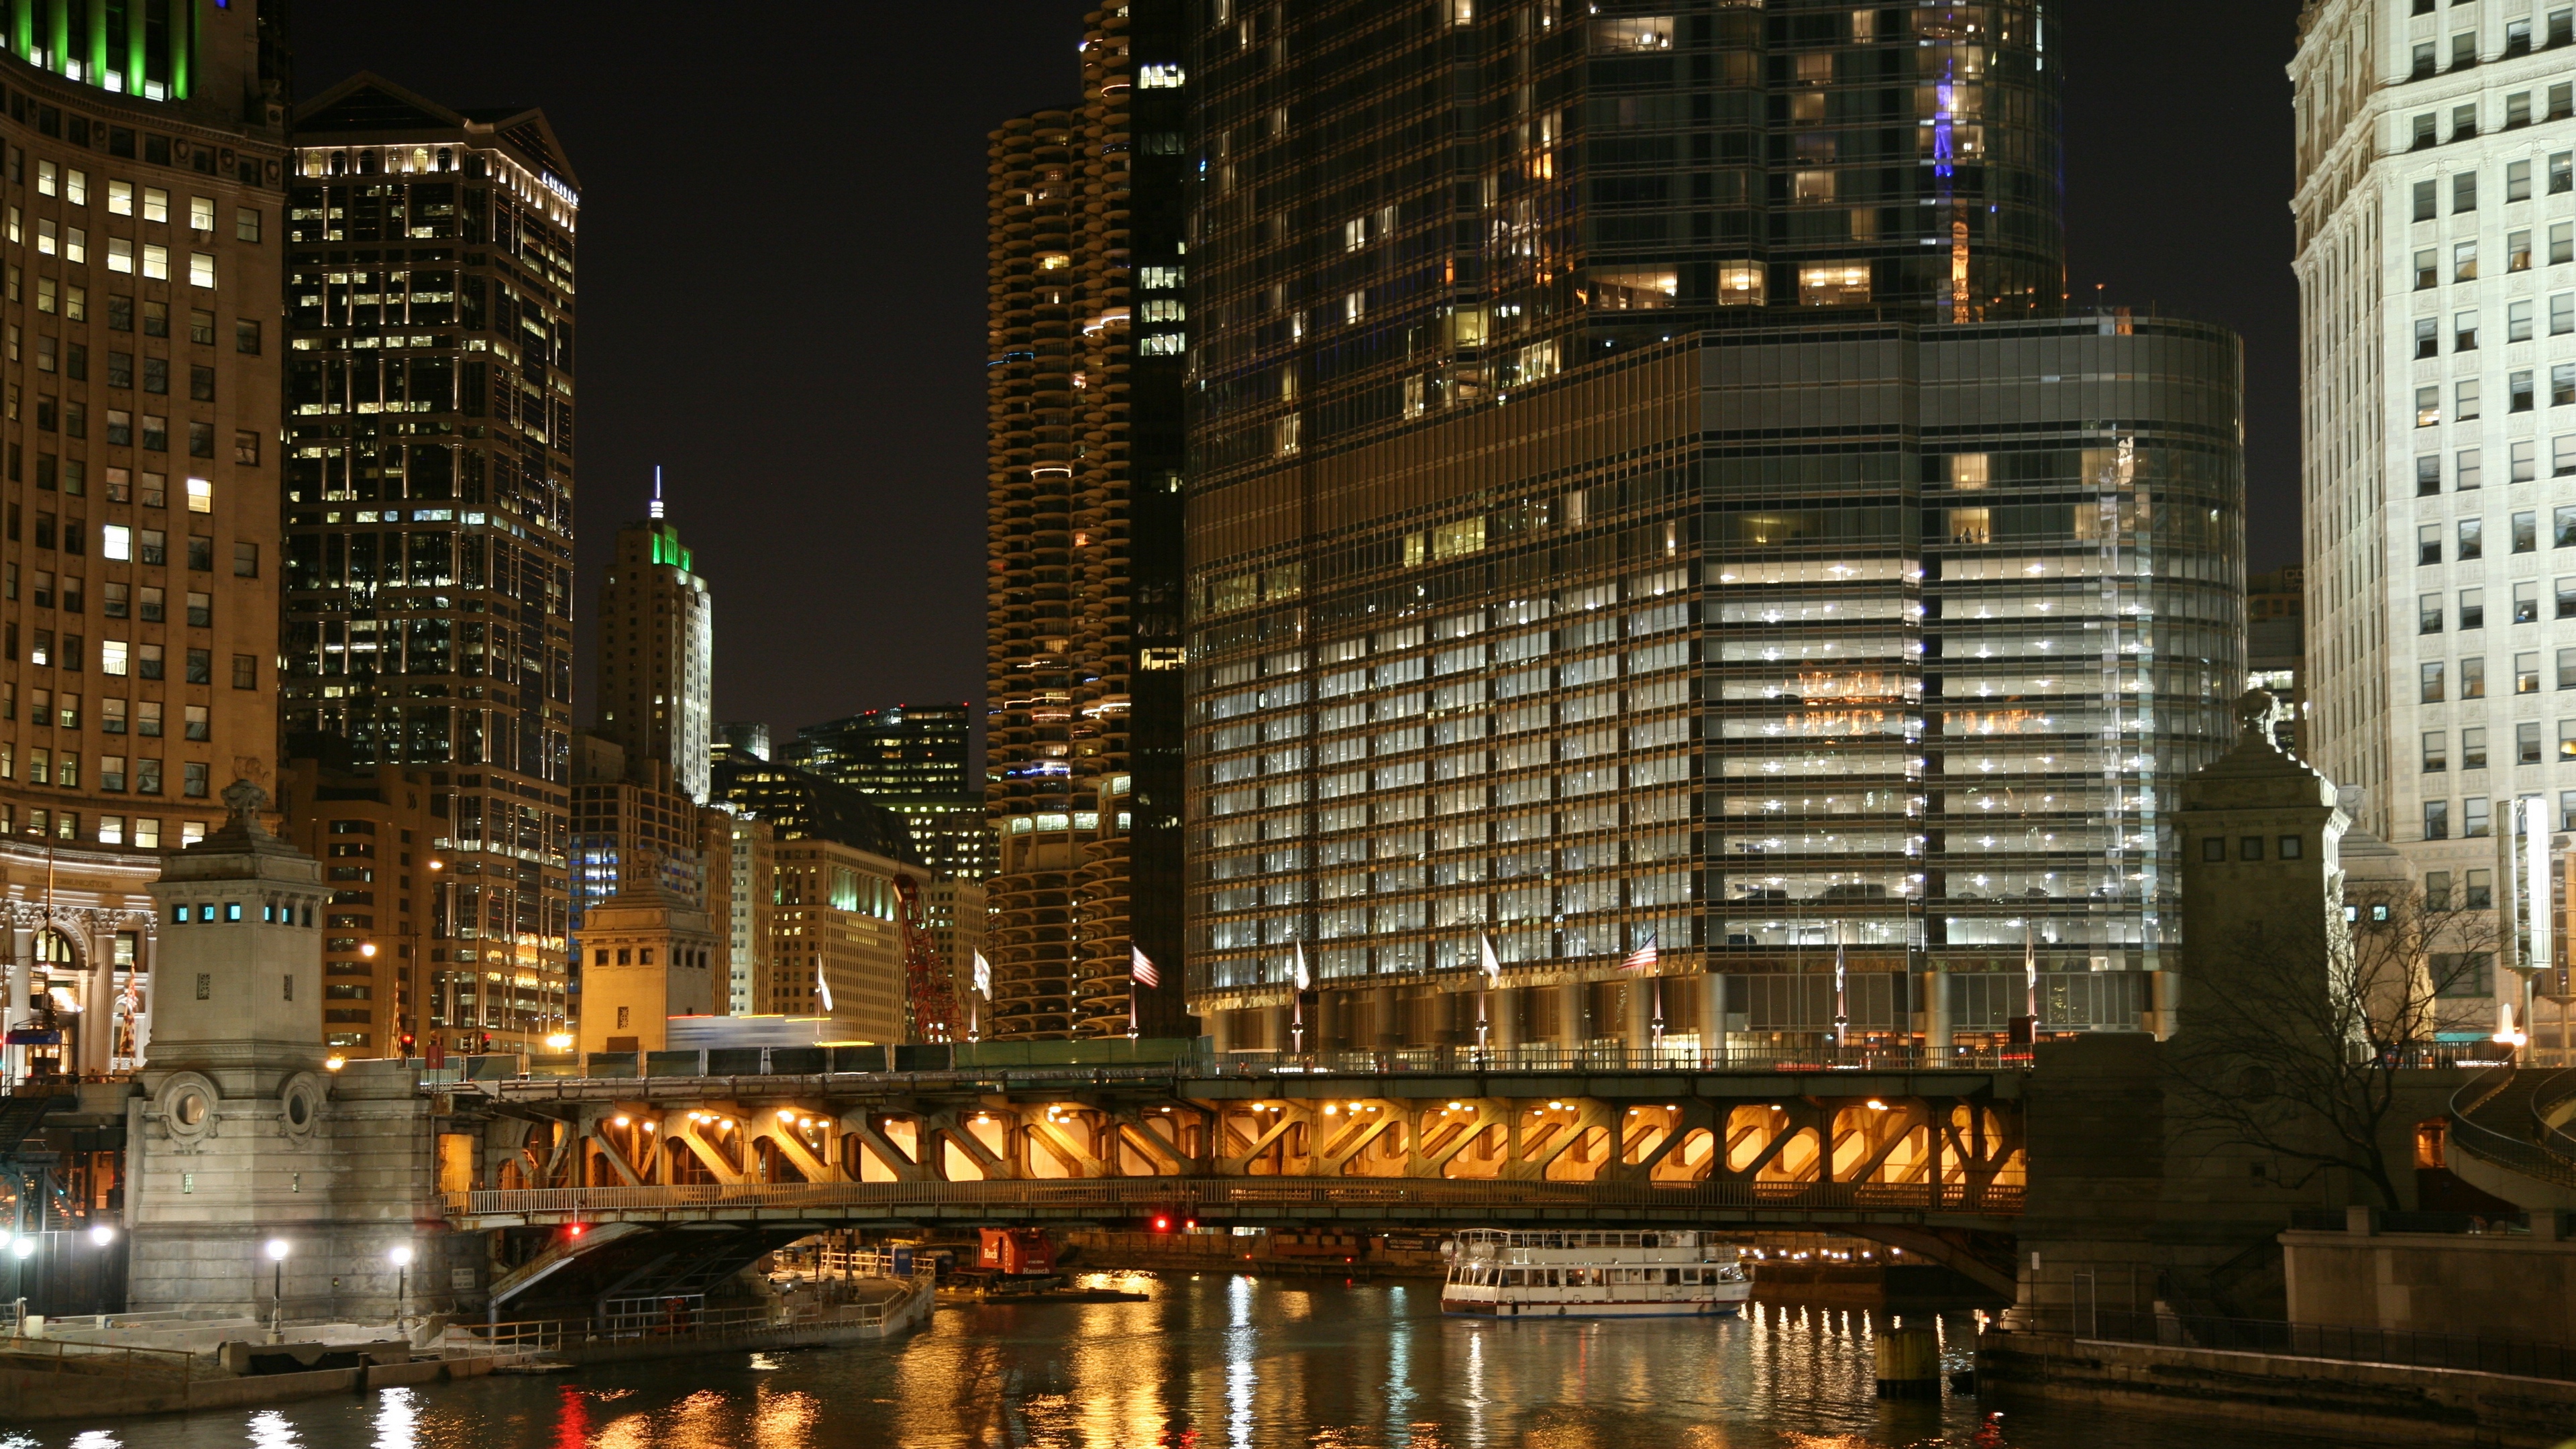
<point x="1242" y="1201"/>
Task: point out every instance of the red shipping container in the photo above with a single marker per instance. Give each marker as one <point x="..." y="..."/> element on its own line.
<point x="1015" y="1250"/>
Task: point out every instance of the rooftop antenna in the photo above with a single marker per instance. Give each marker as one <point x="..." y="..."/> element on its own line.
<point x="657" y="490"/>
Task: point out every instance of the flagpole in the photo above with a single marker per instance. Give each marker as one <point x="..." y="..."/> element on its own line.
<point x="1297" y="1005"/>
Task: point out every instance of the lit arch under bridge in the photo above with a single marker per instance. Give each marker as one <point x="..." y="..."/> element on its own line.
<point x="1931" y="1161"/>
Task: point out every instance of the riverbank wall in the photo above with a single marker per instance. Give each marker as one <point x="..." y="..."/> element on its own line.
<point x="72" y="1389"/>
<point x="2355" y="1402"/>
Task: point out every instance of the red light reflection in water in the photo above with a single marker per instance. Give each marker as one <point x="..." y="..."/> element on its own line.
<point x="572" y="1422"/>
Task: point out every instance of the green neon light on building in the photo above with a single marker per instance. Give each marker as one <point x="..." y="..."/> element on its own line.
<point x="86" y="57"/>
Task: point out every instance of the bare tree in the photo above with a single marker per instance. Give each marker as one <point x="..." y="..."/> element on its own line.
<point x="2294" y="1041"/>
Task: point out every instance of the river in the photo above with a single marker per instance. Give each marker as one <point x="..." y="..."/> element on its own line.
<point x="1209" y="1362"/>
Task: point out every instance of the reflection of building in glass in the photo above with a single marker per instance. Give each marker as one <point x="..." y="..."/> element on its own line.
<point x="1588" y="554"/>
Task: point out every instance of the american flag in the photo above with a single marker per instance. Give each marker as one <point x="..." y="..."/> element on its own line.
<point x="1641" y="959"/>
<point x="1142" y="970"/>
<point x="983" y="976"/>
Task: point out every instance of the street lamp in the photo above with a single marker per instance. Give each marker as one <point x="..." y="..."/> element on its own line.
<point x="401" y="1256"/>
<point x="277" y="1251"/>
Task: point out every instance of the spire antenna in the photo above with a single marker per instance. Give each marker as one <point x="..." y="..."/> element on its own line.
<point x="657" y="490"/>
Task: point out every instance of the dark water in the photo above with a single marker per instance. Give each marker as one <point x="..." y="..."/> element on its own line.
<point x="1210" y="1361"/>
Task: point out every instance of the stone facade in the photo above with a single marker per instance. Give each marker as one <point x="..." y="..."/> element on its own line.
<point x="240" y="1133"/>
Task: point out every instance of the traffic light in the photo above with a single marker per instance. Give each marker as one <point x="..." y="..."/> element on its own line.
<point x="1162" y="1224"/>
<point x="406" y="1043"/>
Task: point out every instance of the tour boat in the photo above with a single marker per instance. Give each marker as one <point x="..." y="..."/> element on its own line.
<point x="1662" y="1274"/>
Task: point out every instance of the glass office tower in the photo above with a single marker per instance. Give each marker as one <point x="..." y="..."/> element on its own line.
<point x="1646" y="491"/>
<point x="428" y="509"/>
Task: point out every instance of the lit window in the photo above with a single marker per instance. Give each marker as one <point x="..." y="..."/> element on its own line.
<point x="118" y="541"/>
<point x="1739" y="284"/>
<point x="201" y="213"/>
<point x="156" y="261"/>
<point x="1161" y="77"/>
<point x="1836" y="284"/>
<point x="120" y="198"/>
<point x="156" y="204"/>
<point x="201" y="269"/>
<point x="201" y="495"/>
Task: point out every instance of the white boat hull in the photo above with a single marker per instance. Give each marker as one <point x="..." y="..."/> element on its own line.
<point x="1468" y="1308"/>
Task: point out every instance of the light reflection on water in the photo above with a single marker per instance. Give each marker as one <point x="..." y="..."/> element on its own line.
<point x="1207" y="1362"/>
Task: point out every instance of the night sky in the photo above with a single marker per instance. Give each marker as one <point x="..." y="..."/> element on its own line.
<point x="782" y="277"/>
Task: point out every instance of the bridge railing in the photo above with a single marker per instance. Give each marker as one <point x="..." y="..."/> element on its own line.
<point x="1548" y="1057"/>
<point x="678" y="1320"/>
<point x="1239" y="1065"/>
<point x="1205" y="1195"/>
<point x="2322" y="1340"/>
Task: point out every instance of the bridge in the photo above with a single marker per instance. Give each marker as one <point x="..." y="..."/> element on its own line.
<point x="1927" y="1158"/>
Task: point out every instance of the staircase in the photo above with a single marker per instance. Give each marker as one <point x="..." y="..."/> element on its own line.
<point x="2508" y="1136"/>
<point x="20" y="1116"/>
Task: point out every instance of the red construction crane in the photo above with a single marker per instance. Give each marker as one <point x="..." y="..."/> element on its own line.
<point x="930" y="1009"/>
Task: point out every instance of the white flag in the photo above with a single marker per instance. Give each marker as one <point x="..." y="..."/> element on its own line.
<point x="983" y="976"/>
<point x="1304" y="980"/>
<point x="1141" y="969"/>
<point x="1492" y="965"/>
<point x="822" y="986"/>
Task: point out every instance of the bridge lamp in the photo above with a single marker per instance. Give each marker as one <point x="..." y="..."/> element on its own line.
<point x="1332" y="1111"/>
<point x="277" y="1250"/>
<point x="102" y="1235"/>
<point x="651" y="1126"/>
<point x="1454" y="1107"/>
<point x="621" y="1121"/>
<point x="1876" y="1105"/>
<point x="559" y="1041"/>
<point x="25" y="1247"/>
<point x="400" y="1257"/>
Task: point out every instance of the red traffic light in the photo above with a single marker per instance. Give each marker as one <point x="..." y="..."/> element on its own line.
<point x="574" y="1231"/>
<point x="1162" y="1225"/>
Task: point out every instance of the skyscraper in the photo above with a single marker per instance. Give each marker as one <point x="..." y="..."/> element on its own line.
<point x="1087" y="342"/>
<point x="1674" y="511"/>
<point x="2436" y="212"/>
<point x="428" y="518"/>
<point x="146" y="191"/>
<point x="657" y="652"/>
<point x="913" y="759"/>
